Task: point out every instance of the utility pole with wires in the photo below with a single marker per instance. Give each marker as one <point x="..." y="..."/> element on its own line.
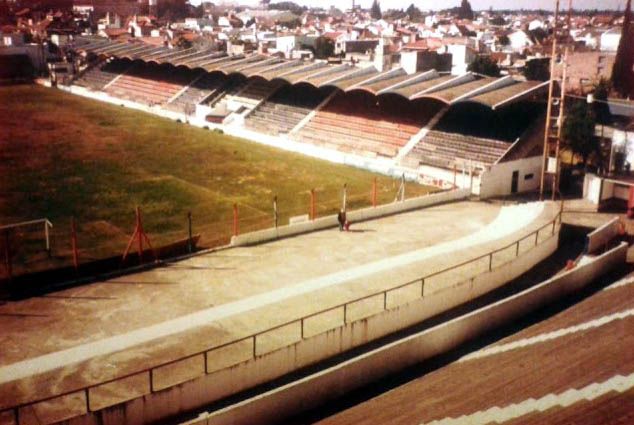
<point x="556" y="104"/>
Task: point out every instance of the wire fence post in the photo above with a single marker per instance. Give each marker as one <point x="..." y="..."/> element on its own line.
<point x="374" y="193"/>
<point x="139" y="226"/>
<point x="7" y="255"/>
<point x="190" y="245"/>
<point x="139" y="234"/>
<point x="344" y="202"/>
<point x="313" y="201"/>
<point x="275" y="216"/>
<point x="73" y="240"/>
<point x="301" y="324"/>
<point x="47" y="236"/>
<point x="235" y="220"/>
<point x="400" y="194"/>
<point x="536" y="237"/>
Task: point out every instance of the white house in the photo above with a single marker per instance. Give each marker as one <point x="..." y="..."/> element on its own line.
<point x="519" y="40"/>
<point x="590" y="38"/>
<point x="610" y="40"/>
<point x="461" y="57"/>
<point x="224" y="22"/>
<point x="286" y="44"/>
<point x="535" y="24"/>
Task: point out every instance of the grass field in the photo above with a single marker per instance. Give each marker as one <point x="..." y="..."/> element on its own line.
<point x="64" y="156"/>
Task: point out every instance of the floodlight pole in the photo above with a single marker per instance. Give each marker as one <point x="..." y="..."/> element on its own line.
<point x="560" y="122"/>
<point x="551" y="88"/>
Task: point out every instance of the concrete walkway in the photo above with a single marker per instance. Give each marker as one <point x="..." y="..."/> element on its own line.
<point x="510" y="219"/>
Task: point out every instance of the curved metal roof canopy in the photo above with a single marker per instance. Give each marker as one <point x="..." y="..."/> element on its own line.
<point x="490" y="92"/>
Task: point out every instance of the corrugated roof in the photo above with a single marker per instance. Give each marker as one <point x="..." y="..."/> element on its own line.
<point x="449" y="94"/>
<point x="237" y="65"/>
<point x="354" y="78"/>
<point x="377" y="86"/>
<point x="196" y="56"/>
<point x="506" y="94"/>
<point x="253" y="68"/>
<point x="193" y="63"/>
<point x="336" y="72"/>
<point x="303" y="72"/>
<point x="488" y="91"/>
<point x="272" y="72"/>
<point x="409" y="91"/>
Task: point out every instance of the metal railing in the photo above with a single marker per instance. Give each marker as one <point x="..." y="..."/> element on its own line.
<point x="532" y="239"/>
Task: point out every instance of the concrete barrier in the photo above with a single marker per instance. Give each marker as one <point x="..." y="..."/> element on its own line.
<point x="334" y="382"/>
<point x="602" y="235"/>
<point x="267" y="235"/>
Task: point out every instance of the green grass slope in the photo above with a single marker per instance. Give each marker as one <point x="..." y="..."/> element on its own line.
<point x="65" y="156"/>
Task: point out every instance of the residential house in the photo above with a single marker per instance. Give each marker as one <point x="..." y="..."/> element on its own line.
<point x="610" y="40"/>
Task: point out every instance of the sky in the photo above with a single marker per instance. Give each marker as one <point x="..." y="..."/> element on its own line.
<point x="476" y="4"/>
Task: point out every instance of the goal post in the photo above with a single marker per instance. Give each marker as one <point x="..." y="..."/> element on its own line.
<point x="12" y="233"/>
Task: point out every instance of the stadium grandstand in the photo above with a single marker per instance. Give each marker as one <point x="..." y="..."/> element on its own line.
<point x="420" y="124"/>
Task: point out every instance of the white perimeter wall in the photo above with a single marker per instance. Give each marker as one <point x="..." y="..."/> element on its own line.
<point x="603" y="235"/>
<point x="497" y="181"/>
<point x="597" y="189"/>
<point x="353" y="216"/>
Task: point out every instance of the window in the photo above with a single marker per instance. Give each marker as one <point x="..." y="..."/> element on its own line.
<point x="529" y="176"/>
<point x="7" y="41"/>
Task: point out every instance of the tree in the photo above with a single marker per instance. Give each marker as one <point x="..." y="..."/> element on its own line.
<point x="288" y="5"/>
<point x="173" y="9"/>
<point x="375" y="10"/>
<point x="465" y="11"/>
<point x="414" y="13"/>
<point x="622" y="72"/>
<point x="539" y="35"/>
<point x="600" y="106"/>
<point x="498" y="21"/>
<point x="537" y="69"/>
<point x="578" y="130"/>
<point x="484" y="65"/>
<point x="324" y="47"/>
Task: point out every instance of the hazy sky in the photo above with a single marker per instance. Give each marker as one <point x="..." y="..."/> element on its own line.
<point x="476" y="4"/>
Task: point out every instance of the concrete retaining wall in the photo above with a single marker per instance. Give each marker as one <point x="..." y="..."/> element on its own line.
<point x="336" y="381"/>
<point x="354" y="216"/>
<point x="601" y="236"/>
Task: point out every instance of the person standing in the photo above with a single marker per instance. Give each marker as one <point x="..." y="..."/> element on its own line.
<point x="341" y="218"/>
